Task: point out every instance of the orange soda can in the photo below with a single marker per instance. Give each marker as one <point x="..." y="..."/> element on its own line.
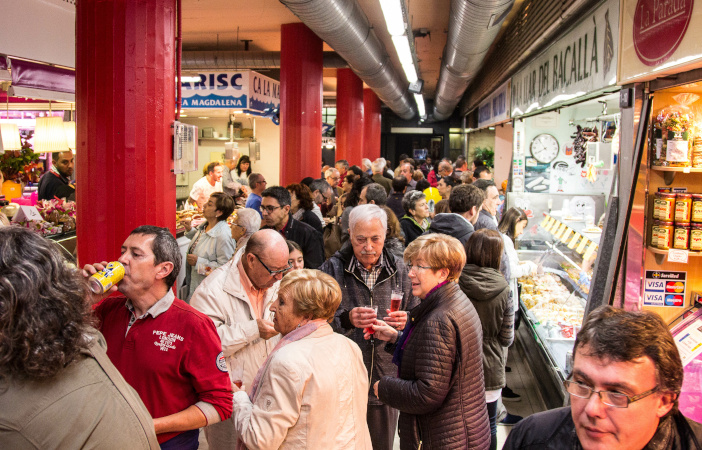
<point x="102" y="281"/>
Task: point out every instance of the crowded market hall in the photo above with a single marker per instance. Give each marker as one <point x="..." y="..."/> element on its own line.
<point x="350" y="224"/>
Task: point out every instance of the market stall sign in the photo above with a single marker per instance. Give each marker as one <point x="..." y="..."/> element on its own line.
<point x="246" y="90"/>
<point x="658" y="37"/>
<point x="582" y="61"/>
<point x="664" y="288"/>
<point x="495" y="108"/>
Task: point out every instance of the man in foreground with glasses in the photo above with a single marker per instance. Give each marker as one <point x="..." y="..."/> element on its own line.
<point x="236" y="297"/>
<point x="368" y="276"/>
<point x="624" y="389"/>
<point x="275" y="208"/>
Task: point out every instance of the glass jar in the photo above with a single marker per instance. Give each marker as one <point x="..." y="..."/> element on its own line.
<point x="654" y="233"/>
<point x="696" y="214"/>
<point x="665" y="235"/>
<point x="683" y="208"/>
<point x="696" y="237"/>
<point x="681" y="236"/>
<point x="666" y="206"/>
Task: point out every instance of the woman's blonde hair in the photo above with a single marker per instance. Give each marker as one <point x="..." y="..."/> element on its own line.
<point x="439" y="251"/>
<point x="315" y="295"/>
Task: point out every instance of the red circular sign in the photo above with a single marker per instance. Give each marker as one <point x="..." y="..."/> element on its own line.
<point x="659" y="27"/>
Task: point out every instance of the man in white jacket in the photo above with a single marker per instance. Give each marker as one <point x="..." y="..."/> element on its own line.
<point x="237" y="297"/>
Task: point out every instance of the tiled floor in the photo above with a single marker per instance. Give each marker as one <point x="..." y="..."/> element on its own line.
<point x="520" y="380"/>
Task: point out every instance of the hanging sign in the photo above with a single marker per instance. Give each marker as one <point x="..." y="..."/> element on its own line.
<point x="495" y="108"/>
<point x="663" y="288"/>
<point x="245" y="90"/>
<point x="658" y="38"/>
<point x="582" y="61"/>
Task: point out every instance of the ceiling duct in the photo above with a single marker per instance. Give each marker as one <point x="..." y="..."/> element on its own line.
<point x="203" y="60"/>
<point x="473" y="26"/>
<point x="344" y="26"/>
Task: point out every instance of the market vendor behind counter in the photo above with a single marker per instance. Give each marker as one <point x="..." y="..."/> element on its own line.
<point x="56" y="182"/>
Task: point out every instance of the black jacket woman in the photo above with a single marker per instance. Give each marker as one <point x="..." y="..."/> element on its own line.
<point x="488" y="290"/>
<point x="439" y="392"/>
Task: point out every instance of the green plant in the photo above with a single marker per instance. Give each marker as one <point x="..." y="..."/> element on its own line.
<point x="20" y="165"/>
<point x="485" y="154"/>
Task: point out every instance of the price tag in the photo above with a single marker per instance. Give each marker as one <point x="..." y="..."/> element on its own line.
<point x="590" y="251"/>
<point x="28" y="213"/>
<point x="568" y="233"/>
<point x="677" y="256"/>
<point x="581" y="247"/>
<point x="559" y="231"/>
<point x="574" y="241"/>
<point x="545" y="221"/>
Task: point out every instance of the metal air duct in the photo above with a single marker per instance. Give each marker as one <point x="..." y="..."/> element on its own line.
<point x="344" y="26"/>
<point x="202" y="60"/>
<point x="473" y="26"/>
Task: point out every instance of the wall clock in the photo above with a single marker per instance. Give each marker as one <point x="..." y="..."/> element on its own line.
<point x="544" y="148"/>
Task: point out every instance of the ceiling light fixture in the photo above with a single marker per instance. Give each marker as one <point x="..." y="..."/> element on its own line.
<point x="404" y="52"/>
<point x="394" y="18"/>
<point x="420" y="105"/>
<point x="410" y="72"/>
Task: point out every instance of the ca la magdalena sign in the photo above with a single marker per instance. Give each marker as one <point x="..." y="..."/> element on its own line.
<point x="245" y="90"/>
<point x="582" y="61"/>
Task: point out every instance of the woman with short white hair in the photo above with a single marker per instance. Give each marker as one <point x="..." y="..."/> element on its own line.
<point x="246" y="223"/>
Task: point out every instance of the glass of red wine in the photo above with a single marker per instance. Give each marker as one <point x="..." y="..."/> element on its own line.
<point x="237" y="374"/>
<point x="372" y="309"/>
<point x="395" y="301"/>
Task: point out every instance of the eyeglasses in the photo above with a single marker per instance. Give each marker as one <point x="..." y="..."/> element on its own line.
<point x="262" y="181"/>
<point x="609" y="398"/>
<point x="416" y="268"/>
<point x="273" y="272"/>
<point x="269" y="209"/>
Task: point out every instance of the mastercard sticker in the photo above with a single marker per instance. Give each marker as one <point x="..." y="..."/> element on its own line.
<point x="674" y="300"/>
<point x="675" y="286"/>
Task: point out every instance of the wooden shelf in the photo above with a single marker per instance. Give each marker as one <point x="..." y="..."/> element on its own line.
<point x="669" y="172"/>
<point x="660" y="255"/>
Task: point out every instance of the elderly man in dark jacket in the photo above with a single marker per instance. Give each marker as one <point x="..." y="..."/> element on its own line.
<point x="368" y="274"/>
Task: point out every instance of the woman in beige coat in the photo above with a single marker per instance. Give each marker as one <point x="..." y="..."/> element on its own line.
<point x="312" y="390"/>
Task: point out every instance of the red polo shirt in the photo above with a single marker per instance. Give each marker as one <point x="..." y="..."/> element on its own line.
<point x="171" y="360"/>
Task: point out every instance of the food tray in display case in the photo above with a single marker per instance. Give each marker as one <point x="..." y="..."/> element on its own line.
<point x="553" y="304"/>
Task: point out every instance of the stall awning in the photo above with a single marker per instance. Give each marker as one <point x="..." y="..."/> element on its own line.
<point x="4" y="73"/>
<point x="35" y="80"/>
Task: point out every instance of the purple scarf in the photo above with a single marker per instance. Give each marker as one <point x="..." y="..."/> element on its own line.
<point x="404" y="338"/>
<point x="295" y="335"/>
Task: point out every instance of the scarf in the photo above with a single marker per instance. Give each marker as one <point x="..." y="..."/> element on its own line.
<point x="295" y="335"/>
<point x="404" y="337"/>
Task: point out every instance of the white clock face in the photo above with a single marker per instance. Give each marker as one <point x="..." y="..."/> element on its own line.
<point x="544" y="148"/>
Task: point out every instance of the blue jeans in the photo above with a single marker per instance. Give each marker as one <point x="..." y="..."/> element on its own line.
<point x="492" y="415"/>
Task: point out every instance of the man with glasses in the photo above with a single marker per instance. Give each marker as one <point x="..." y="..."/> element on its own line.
<point x="333" y="176"/>
<point x="257" y="183"/>
<point x="275" y="208"/>
<point x="236" y="297"/>
<point x="368" y="275"/>
<point x="624" y="389"/>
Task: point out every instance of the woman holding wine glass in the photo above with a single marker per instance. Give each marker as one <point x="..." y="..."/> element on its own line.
<point x="439" y="391"/>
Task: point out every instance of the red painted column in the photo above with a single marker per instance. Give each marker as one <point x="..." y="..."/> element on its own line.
<point x="300" y="103"/>
<point x="349" y="117"/>
<point x="371" y="125"/>
<point x="125" y="102"/>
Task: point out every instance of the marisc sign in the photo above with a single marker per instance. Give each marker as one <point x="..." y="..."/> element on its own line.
<point x="246" y="90"/>
<point x="581" y="61"/>
<point x="495" y="108"/>
<point x="659" y="37"/>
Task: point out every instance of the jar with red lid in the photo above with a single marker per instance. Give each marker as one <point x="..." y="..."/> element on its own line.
<point x="681" y="236"/>
<point x="683" y="208"/>
<point x="665" y="235"/>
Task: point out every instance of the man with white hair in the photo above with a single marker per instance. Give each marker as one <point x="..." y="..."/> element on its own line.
<point x="333" y="176"/>
<point x="366" y="166"/>
<point x="236" y="297"/>
<point x="231" y="156"/>
<point x="368" y="275"/>
<point x="377" y="167"/>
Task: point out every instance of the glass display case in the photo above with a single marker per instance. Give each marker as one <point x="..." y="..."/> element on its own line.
<point x="562" y="238"/>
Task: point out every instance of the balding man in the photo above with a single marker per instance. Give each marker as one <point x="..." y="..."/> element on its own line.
<point x="378" y="166"/>
<point x="445" y="169"/>
<point x="407" y="171"/>
<point x="237" y="297"/>
<point x="57" y="181"/>
<point x="333" y="176"/>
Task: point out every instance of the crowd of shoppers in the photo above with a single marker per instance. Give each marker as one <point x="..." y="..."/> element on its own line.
<point x="407" y="321"/>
